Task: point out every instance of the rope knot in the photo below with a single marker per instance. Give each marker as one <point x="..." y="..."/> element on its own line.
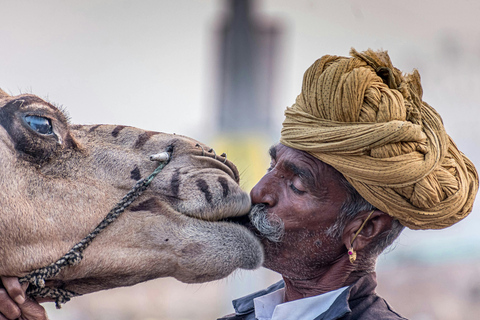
<point x="73" y="258"/>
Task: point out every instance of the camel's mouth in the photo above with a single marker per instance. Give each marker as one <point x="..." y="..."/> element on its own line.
<point x="242" y="220"/>
<point x="202" y="251"/>
<point x="218" y="200"/>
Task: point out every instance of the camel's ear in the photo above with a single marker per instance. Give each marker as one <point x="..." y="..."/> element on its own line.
<point x="3" y="94"/>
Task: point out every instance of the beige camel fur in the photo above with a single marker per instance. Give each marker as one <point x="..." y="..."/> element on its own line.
<point x="59" y="180"/>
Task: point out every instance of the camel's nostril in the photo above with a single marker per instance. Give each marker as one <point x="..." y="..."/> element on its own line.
<point x="230" y="165"/>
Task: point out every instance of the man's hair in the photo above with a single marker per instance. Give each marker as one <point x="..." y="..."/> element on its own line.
<point x="352" y="206"/>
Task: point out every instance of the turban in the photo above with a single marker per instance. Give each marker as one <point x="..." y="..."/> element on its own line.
<point x="366" y="119"/>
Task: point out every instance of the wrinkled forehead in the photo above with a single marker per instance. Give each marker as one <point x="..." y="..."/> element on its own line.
<point x="319" y="167"/>
<point x="303" y="163"/>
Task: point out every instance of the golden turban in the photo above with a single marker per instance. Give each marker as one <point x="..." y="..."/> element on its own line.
<point x="366" y="119"/>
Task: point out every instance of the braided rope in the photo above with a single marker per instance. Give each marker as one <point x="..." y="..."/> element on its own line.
<point x="37" y="278"/>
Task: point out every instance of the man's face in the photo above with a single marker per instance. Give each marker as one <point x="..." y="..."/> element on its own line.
<point x="305" y="194"/>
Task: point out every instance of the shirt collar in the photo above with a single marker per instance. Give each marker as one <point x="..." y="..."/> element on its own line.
<point x="271" y="306"/>
<point x="245" y="304"/>
<point x="364" y="286"/>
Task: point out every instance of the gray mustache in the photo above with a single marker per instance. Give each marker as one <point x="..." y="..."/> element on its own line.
<point x="270" y="227"/>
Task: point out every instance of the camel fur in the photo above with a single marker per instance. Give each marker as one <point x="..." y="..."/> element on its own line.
<point x="59" y="180"/>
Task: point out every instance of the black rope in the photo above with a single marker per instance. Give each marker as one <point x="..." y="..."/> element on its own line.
<point x="36" y="278"/>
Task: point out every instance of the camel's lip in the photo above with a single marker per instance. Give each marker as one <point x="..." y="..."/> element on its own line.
<point x="229" y="208"/>
<point x="243" y="220"/>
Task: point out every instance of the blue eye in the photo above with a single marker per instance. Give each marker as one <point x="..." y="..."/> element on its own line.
<point x="39" y="124"/>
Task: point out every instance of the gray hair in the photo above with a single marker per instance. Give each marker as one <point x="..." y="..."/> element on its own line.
<point x="352" y="206"/>
<point x="270" y="227"/>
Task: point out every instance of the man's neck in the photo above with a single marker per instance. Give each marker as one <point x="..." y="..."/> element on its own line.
<point x="331" y="279"/>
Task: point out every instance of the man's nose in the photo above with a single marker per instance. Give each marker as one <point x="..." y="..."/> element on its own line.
<point x="263" y="192"/>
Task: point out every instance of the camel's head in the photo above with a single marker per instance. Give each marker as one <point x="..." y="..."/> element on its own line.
<point x="59" y="181"/>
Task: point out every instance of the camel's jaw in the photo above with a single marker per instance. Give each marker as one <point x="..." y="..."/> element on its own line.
<point x="195" y="251"/>
<point x="208" y="242"/>
<point x="213" y="252"/>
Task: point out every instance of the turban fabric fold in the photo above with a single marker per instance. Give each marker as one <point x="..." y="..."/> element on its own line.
<point x="366" y="119"/>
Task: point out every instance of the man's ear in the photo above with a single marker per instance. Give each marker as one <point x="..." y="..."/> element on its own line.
<point x="376" y="224"/>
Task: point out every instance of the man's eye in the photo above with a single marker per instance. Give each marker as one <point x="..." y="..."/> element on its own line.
<point x="296" y="190"/>
<point x="39" y="124"/>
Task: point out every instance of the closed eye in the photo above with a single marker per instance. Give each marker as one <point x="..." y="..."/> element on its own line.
<point x="39" y="124"/>
<point x="297" y="191"/>
<point x="297" y="186"/>
<point x="303" y="176"/>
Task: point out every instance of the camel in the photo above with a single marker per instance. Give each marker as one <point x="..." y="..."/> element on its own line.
<point x="59" y="180"/>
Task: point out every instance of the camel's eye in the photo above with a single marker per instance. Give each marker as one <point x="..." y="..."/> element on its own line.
<point x="39" y="124"/>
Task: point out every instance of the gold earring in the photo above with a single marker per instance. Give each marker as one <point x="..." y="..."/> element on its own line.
<point x="352" y="255"/>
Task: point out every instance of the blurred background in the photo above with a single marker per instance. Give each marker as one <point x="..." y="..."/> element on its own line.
<point x="223" y="71"/>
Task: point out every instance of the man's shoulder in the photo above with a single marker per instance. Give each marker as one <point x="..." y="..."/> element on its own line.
<point x="361" y="302"/>
<point x="376" y="308"/>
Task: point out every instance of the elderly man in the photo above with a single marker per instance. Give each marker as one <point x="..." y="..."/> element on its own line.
<point x="360" y="157"/>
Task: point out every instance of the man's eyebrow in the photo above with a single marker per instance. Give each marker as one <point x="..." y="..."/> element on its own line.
<point x="273" y="152"/>
<point x="305" y="174"/>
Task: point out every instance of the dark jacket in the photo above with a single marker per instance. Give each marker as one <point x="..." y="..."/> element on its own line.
<point x="357" y="302"/>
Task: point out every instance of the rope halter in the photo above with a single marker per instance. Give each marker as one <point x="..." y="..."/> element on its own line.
<point x="36" y="278"/>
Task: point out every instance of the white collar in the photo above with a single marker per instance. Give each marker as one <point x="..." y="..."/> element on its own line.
<point x="272" y="307"/>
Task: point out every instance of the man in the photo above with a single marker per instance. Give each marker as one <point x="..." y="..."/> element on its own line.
<point x="360" y="157"/>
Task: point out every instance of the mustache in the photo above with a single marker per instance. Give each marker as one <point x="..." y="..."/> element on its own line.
<point x="270" y="226"/>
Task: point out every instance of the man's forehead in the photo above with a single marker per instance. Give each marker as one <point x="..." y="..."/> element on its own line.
<point x="296" y="161"/>
<point x="279" y="148"/>
<point x="318" y="168"/>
